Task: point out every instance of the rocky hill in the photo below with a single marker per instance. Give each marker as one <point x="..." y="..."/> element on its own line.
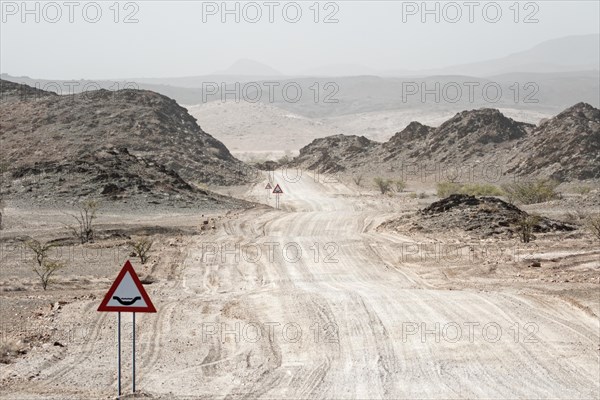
<point x="333" y="154"/>
<point x="114" y="144"/>
<point x="146" y="123"/>
<point x="565" y="147"/>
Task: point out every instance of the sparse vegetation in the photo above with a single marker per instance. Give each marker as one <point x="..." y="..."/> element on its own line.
<point x="142" y="247"/>
<point x="1" y="211"/>
<point x="384" y="185"/>
<point x="582" y="190"/>
<point x="574" y="216"/>
<point x="3" y="169"/>
<point x="417" y="195"/>
<point x="593" y="225"/>
<point x="357" y="179"/>
<point x="525" y="226"/>
<point x="400" y="186"/>
<point x="532" y="192"/>
<point x="445" y="189"/>
<point x="85" y="220"/>
<point x="43" y="266"/>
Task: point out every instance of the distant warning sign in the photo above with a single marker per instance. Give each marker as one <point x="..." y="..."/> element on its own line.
<point x="269" y="186"/>
<point x="277" y="189"/>
<point x="127" y="294"/>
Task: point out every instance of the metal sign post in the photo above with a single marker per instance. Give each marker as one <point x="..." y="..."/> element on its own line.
<point x="277" y="191"/>
<point x="133" y="361"/>
<point x="119" y="349"/>
<point x="126" y="294"/>
<point x="268" y="187"/>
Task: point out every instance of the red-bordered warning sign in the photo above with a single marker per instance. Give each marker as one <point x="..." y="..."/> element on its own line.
<point x="127" y="294"/>
<point x="277" y="189"/>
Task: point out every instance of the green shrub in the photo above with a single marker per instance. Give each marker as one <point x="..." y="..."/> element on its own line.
<point x="525" y="226"/>
<point x="43" y="266"/>
<point x="445" y="189"/>
<point x="400" y="186"/>
<point x="531" y="192"/>
<point x="593" y="225"/>
<point x="384" y="185"/>
<point x="141" y="248"/>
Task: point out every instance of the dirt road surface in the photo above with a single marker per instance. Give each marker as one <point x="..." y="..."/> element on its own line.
<point x="309" y="301"/>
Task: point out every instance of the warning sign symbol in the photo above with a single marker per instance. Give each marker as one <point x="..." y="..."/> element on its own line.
<point x="127" y="294"/>
<point x="277" y="190"/>
<point x="269" y="186"/>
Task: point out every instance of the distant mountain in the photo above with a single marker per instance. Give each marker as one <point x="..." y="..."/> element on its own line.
<point x="571" y="53"/>
<point x="115" y="144"/>
<point x="547" y="93"/>
<point x="337" y="70"/>
<point x="246" y="67"/>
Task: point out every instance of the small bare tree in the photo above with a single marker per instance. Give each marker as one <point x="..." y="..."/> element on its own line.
<point x="85" y="220"/>
<point x="142" y="247"/>
<point x="43" y="266"/>
<point x="3" y="169"/>
<point x="357" y="179"/>
<point x="593" y="225"/>
<point x="525" y="226"/>
<point x="383" y="184"/>
<point x="1" y="210"/>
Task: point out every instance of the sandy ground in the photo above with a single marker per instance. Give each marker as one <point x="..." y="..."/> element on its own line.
<point x="312" y="301"/>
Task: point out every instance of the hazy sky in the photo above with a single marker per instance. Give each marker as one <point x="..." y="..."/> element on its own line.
<point x="189" y="38"/>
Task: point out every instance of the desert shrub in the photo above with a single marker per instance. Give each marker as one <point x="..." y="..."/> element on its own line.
<point x="142" y="247"/>
<point x="85" y="220"/>
<point x="445" y="189"/>
<point x="532" y="192"/>
<point x="582" y="190"/>
<point x="357" y="179"/>
<point x="485" y="189"/>
<point x="574" y="216"/>
<point x="43" y="267"/>
<point x="593" y="225"/>
<point x="525" y="226"/>
<point x="384" y="185"/>
<point x="1" y="211"/>
<point x="417" y="195"/>
<point x="400" y="186"/>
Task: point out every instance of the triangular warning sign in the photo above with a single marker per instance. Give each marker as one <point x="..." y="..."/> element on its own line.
<point x="269" y="186"/>
<point x="277" y="189"/>
<point x="127" y="294"/>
